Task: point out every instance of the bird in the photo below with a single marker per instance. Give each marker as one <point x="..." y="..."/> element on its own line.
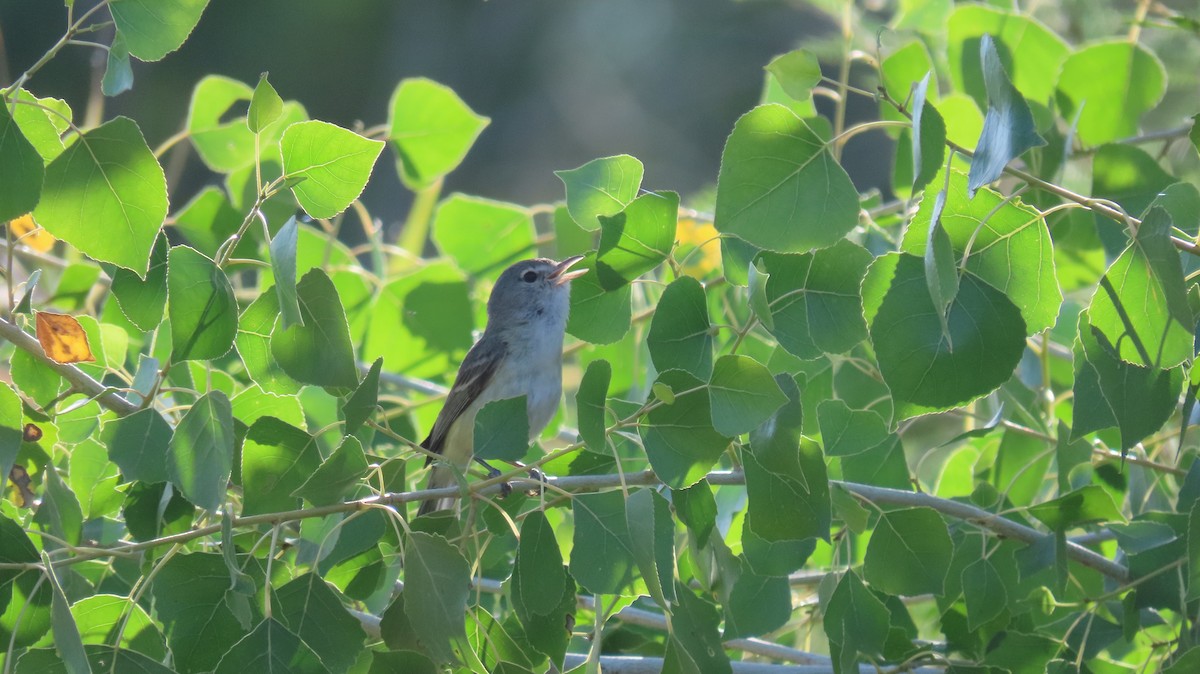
<point x="519" y="354"/>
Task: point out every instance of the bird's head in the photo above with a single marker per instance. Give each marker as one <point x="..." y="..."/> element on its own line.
<point x="533" y="291"/>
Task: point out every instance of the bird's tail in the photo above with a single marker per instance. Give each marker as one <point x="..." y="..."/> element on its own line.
<point x="440" y="476"/>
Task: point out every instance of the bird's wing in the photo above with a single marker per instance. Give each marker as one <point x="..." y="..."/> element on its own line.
<point x="476" y="372"/>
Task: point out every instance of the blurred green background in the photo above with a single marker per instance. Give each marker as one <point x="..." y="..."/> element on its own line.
<point x="564" y="81"/>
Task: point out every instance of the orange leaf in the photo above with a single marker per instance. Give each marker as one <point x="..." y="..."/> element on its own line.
<point x="31" y="234"/>
<point x="63" y="338"/>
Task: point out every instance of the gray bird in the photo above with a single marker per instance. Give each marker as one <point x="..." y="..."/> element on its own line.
<point x="520" y="354"/>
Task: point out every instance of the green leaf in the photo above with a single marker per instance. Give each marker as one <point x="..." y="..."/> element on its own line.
<point x="437" y="584"/>
<point x="856" y="621"/>
<point x="107" y="181"/>
<point x="200" y="454"/>
<point x="696" y="509"/>
<point x="255" y="327"/>
<point x="139" y="444"/>
<point x="598" y="316"/>
<point x="143" y="300"/>
<point x="421" y="323"/>
<point x="984" y="593"/>
<point x="925" y="369"/>
<point x="62" y="624"/>
<point x="941" y="269"/>
<point x="432" y="129"/>
<point x="361" y="405"/>
<point x="539" y="566"/>
<point x="60" y="511"/>
<point x="680" y="336"/>
<point x="814" y="301"/>
<point x="23" y="170"/>
<point x="1081" y="506"/>
<point x="311" y="610"/>
<point x="317" y="351"/>
<point x="1006" y="242"/>
<point x="502" y="429"/>
<point x="118" y="75"/>
<point x="101" y="615"/>
<point x="1008" y="126"/>
<point x="590" y="404"/>
<point x="1193" y="553"/>
<point x="602" y="558"/>
<point x="1031" y="53"/>
<point x="189" y="598"/>
<point x="548" y="634"/>
<point x="270" y="647"/>
<point x="336" y="475"/>
<point x="202" y="309"/>
<point x="283" y="270"/>
<point x="694" y="645"/>
<point x="100" y="658"/>
<point x="797" y="72"/>
<point x="637" y="239"/>
<point x="12" y="423"/>
<point x="787" y="490"/>
<point x="1140" y="308"/>
<point x="679" y="438"/>
<point x="277" y="459"/>
<point x="1187" y="662"/>
<point x="1112" y="392"/>
<point x="756" y="605"/>
<point x="901" y="71"/>
<point x="742" y="394"/>
<point x="1110" y="86"/>
<point x="265" y="106"/>
<point x="928" y="136"/>
<point x="94" y="480"/>
<point x="602" y="186"/>
<point x="155" y="29"/>
<point x="224" y="142"/>
<point x="333" y="165"/>
<point x="779" y="187"/>
<point x="909" y="553"/>
<point x="42" y="124"/>
<point x="652" y="541"/>
<point x="481" y="235"/>
<point x="846" y="431"/>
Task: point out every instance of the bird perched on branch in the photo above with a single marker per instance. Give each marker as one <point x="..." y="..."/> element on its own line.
<point x="520" y="354"/>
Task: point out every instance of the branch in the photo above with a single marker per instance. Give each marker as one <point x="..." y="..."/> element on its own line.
<point x="580" y="483"/>
<point x="76" y="377"/>
<point x="625" y="664"/>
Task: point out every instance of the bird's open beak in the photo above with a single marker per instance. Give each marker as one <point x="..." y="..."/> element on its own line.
<point x="560" y="275"/>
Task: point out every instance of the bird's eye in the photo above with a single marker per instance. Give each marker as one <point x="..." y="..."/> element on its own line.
<point x="529" y="276"/>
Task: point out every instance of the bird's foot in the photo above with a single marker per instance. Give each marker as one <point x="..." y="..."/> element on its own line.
<point x="493" y="473"/>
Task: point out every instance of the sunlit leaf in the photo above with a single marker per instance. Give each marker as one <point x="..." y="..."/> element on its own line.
<point x="637" y="239"/>
<point x="680" y="440"/>
<point x="1140" y="308"/>
<point x="1111" y="85"/>
<point x="106" y="195"/>
<point x="602" y="186"/>
<point x="432" y="129"/>
<point x="23" y="169"/>
<point x="483" y="236"/>
<point x="265" y="106"/>
<point x="332" y="165"/>
<point x="779" y="187"/>
<point x="318" y="350"/>
<point x="154" y="29"/>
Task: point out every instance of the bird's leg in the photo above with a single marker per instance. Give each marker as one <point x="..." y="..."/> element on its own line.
<point x="493" y="472"/>
<point x="505" y="488"/>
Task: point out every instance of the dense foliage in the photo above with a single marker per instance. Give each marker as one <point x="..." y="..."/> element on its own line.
<point x="946" y="430"/>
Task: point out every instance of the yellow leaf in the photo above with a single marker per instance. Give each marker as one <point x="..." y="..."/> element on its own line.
<point x="26" y="231"/>
<point x="699" y="246"/>
<point x="63" y="338"/>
